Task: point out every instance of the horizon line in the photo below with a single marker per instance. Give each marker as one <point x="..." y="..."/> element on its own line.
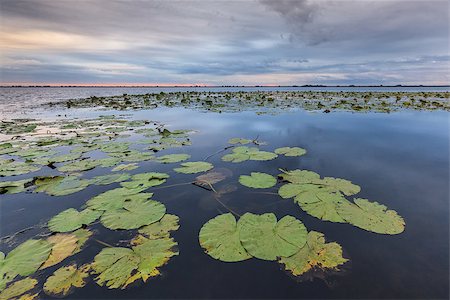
<point x="213" y="86"/>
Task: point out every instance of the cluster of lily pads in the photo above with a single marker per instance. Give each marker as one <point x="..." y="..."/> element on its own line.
<point x="272" y="101"/>
<point x="68" y="149"/>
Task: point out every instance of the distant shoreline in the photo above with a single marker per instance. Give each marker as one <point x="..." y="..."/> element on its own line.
<point x="222" y="86"/>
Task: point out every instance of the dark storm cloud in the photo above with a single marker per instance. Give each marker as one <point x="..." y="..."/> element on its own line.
<point x="218" y="42"/>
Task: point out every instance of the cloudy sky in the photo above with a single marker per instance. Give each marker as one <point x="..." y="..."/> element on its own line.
<point x="246" y="42"/>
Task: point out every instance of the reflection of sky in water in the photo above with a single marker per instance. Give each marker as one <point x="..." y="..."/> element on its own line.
<point x="399" y="159"/>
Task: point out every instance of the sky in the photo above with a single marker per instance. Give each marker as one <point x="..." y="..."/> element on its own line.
<point x="245" y="42"/>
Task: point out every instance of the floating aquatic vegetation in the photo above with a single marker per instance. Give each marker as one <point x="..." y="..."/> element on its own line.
<point x="71" y="219"/>
<point x="14" y="187"/>
<point x="66" y="279"/>
<point x="113" y="147"/>
<point x="57" y="159"/>
<point x="235" y="141"/>
<point x="244" y="153"/>
<point x="110" y="178"/>
<point x="314" y="255"/>
<point x="212" y="177"/>
<point x="371" y="216"/>
<point x="162" y="228"/>
<point x="132" y="156"/>
<point x="17" y="127"/>
<point x="118" y="267"/>
<point x="24" y="260"/>
<point x="265" y="238"/>
<point x="63" y="246"/>
<point x="32" y="153"/>
<point x="125" y="167"/>
<point x="145" y="180"/>
<point x="60" y="185"/>
<point x="194" y="167"/>
<point x="14" y="168"/>
<point x="290" y="151"/>
<point x="80" y="165"/>
<point x="258" y="180"/>
<point x="133" y="214"/>
<point x="173" y="158"/>
<point x="20" y="290"/>
<point x="220" y="239"/>
<point x="115" y="198"/>
<point x="108" y="162"/>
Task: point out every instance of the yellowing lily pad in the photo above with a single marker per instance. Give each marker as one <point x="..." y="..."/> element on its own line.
<point x="63" y="246"/>
<point x="66" y="279"/>
<point x="14" y="187"/>
<point x="371" y="216"/>
<point x="18" y="289"/>
<point x="220" y="239"/>
<point x="71" y="219"/>
<point x="290" y="151"/>
<point x="134" y="214"/>
<point x="258" y="180"/>
<point x="194" y="167"/>
<point x="266" y="239"/>
<point x="314" y="255"/>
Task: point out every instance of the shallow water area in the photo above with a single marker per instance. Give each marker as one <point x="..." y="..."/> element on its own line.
<point x="398" y="159"/>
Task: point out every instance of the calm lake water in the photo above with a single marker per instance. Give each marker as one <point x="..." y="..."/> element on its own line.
<point x="399" y="159"/>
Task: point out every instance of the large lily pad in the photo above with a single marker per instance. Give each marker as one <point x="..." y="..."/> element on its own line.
<point x="258" y="180"/>
<point x="60" y="185"/>
<point x="173" y="158"/>
<point x="115" y="147"/>
<point x="125" y="167"/>
<point x="19" y="289"/>
<point x="115" y="198"/>
<point x="220" y="239"/>
<point x="371" y="216"/>
<point x="162" y="228"/>
<point x="244" y="153"/>
<point x="241" y="141"/>
<point x="118" y="267"/>
<point x="266" y="239"/>
<point x="24" y="260"/>
<point x="314" y="255"/>
<point x="71" y="219"/>
<point x="290" y="151"/>
<point x="145" y="180"/>
<point x="66" y="279"/>
<point x="194" y="167"/>
<point x="134" y="214"/>
<point x="63" y="246"/>
<point x="133" y="156"/>
<point x="80" y="165"/>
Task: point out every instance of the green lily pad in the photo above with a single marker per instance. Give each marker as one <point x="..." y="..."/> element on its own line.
<point x="110" y="178"/>
<point x="173" y="158"/>
<point x="31" y="153"/>
<point x="24" y="260"/>
<point x="134" y="214"/>
<point x="125" y="167"/>
<point x="162" y="228"/>
<point x="60" y="186"/>
<point x="235" y="141"/>
<point x="145" y="180"/>
<point x="299" y="176"/>
<point x="316" y="200"/>
<point x="66" y="279"/>
<point x="19" y="289"/>
<point x="118" y="267"/>
<point x="78" y="166"/>
<point x="258" y="180"/>
<point x="220" y="239"/>
<point x="115" y="198"/>
<point x="315" y="255"/>
<point x="71" y="219"/>
<point x="14" y="187"/>
<point x="371" y="216"/>
<point x="14" y="168"/>
<point x="108" y="162"/>
<point x="266" y="239"/>
<point x="244" y="153"/>
<point x="63" y="158"/>
<point x="115" y="147"/>
<point x="290" y="151"/>
<point x="133" y="156"/>
<point x="194" y="167"/>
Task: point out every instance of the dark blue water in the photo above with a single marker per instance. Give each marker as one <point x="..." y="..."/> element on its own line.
<point x="399" y="159"/>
